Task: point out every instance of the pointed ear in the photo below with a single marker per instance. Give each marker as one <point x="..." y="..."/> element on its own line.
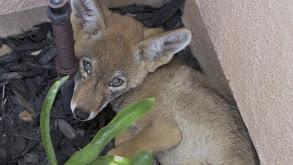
<point x="88" y="16"/>
<point x="165" y="44"/>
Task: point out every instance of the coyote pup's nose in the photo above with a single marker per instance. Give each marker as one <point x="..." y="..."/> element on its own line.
<point x="80" y="114"/>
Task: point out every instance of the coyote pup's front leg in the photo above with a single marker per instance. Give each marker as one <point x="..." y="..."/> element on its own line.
<point x="124" y="136"/>
<point x="158" y="137"/>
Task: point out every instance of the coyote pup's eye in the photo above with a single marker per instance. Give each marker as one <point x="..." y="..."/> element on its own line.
<point x="87" y="66"/>
<point x="116" y="82"/>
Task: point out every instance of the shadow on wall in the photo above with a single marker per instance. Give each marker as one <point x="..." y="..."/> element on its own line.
<point x="203" y="49"/>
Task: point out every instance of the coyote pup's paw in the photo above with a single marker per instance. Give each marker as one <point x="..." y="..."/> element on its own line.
<point x="121" y="152"/>
<point x="124" y="136"/>
<point x="116" y="152"/>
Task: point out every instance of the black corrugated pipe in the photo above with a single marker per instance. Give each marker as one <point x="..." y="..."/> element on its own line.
<point x="59" y="13"/>
<point x="66" y="63"/>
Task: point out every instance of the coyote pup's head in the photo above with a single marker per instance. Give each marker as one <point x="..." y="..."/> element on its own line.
<point x="115" y="54"/>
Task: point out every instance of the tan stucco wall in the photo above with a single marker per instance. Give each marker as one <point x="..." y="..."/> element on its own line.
<point x="17" y="16"/>
<point x="19" y="21"/>
<point x="203" y="48"/>
<point x="9" y="6"/>
<point x="253" y="41"/>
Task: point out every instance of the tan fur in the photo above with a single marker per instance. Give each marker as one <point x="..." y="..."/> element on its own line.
<point x="190" y="123"/>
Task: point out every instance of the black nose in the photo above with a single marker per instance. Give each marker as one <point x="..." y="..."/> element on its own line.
<point x="80" y="114"/>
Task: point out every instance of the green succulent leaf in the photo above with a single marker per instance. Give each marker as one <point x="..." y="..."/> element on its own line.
<point x="45" y="120"/>
<point x="143" y="158"/>
<point x="111" y="160"/>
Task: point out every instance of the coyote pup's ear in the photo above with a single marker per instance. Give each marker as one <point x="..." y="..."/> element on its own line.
<point x="88" y="16"/>
<point x="165" y="44"/>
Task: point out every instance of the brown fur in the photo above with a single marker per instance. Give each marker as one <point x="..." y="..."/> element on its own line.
<point x="190" y="123"/>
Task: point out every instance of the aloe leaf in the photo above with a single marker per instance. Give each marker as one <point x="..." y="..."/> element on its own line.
<point x="143" y="158"/>
<point x="45" y="120"/>
<point x="111" y="160"/>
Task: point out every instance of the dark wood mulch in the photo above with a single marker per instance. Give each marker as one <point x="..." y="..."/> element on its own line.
<point x="26" y="75"/>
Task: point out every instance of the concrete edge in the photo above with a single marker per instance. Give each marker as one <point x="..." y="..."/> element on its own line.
<point x="17" y="22"/>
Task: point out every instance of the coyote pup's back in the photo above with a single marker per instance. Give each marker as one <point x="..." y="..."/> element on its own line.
<point x="122" y="62"/>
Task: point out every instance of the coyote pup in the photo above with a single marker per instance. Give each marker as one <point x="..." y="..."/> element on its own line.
<point x="122" y="62"/>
